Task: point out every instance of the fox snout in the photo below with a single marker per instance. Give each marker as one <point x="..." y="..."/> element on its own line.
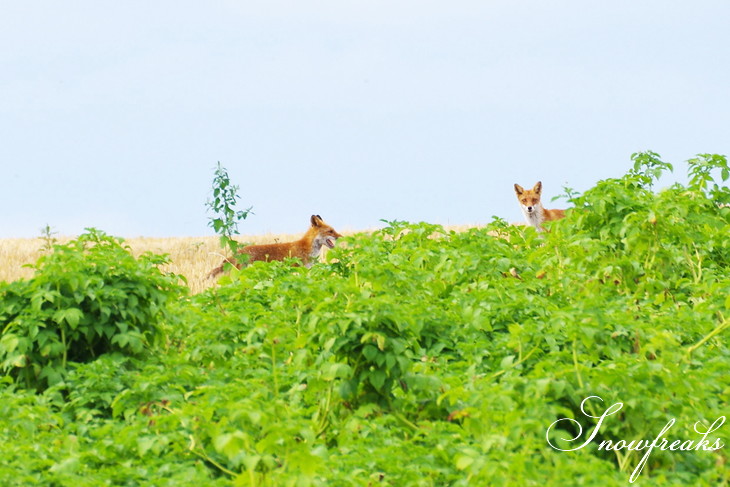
<point x="329" y="241"/>
<point x="331" y="238"/>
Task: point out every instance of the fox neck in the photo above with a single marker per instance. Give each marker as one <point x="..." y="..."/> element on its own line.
<point x="312" y="242"/>
<point x="535" y="217"/>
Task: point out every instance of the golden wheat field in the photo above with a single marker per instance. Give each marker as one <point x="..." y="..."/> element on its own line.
<point x="192" y="257"/>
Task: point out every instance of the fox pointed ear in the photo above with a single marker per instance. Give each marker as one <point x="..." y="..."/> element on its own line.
<point x="519" y="189"/>
<point x="538" y="187"/>
<point x="316" y="220"/>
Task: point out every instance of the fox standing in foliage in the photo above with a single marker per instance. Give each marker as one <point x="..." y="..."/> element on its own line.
<point x="532" y="208"/>
<point x="306" y="248"/>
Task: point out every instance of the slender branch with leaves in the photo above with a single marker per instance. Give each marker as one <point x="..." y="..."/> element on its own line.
<point x="225" y="218"/>
<point x="48" y="236"/>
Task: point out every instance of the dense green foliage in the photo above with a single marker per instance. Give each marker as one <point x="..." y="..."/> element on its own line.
<point x="418" y="356"/>
<point x="87" y="298"/>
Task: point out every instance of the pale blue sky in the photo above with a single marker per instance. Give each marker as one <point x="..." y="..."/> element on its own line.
<point x="114" y="114"/>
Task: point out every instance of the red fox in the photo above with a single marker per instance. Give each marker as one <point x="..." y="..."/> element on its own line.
<point x="532" y="208"/>
<point x="305" y="248"/>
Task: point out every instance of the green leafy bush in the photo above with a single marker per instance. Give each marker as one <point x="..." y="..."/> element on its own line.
<point x="419" y="356"/>
<point x="87" y="298"/>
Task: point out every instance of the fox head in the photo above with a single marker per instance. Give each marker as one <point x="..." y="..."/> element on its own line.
<point x="324" y="234"/>
<point x="529" y="198"/>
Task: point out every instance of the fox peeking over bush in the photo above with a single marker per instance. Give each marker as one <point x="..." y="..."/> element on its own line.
<point x="532" y="208"/>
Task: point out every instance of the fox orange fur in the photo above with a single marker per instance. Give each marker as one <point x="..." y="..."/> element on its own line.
<point x="532" y="208"/>
<point x="306" y="248"/>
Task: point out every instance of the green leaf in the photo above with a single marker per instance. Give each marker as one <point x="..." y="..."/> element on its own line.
<point x="463" y="462"/>
<point x="377" y="379"/>
<point x="71" y="316"/>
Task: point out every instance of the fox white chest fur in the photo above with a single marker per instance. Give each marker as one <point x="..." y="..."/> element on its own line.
<point x="534" y="215"/>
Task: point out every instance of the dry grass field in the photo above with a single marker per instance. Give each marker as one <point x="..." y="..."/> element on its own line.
<point x="189" y="256"/>
<point x="192" y="257"/>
